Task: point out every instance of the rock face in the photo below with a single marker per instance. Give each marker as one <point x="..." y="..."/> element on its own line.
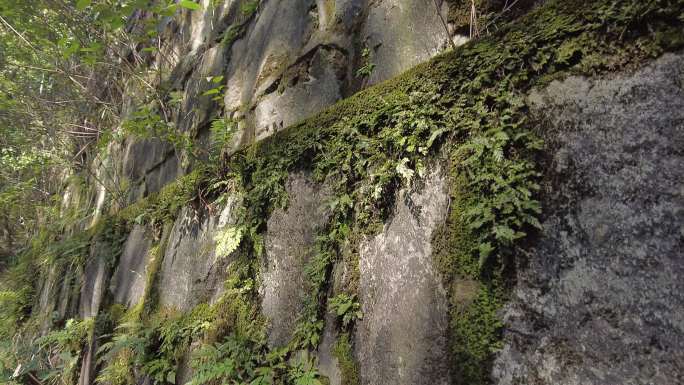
<point x="601" y="298"/>
<point x="95" y="278"/>
<point x="129" y="279"/>
<point x="191" y="271"/>
<point x="402" y="338"/>
<point x="288" y="60"/>
<point x="289" y="246"/>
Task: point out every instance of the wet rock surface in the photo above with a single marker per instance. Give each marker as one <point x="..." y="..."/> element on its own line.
<point x="601" y="298"/>
<point x="402" y="338"/>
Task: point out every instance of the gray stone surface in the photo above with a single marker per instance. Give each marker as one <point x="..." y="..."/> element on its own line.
<point x="129" y="279"/>
<point x="402" y="338"/>
<point x="142" y="155"/>
<point x="95" y="279"/>
<point x="601" y="298"/>
<point x="299" y="57"/>
<point x="164" y="173"/>
<point x="291" y="60"/>
<point x="47" y="297"/>
<point x="191" y="271"/>
<point x="88" y="373"/>
<point x="290" y="237"/>
<point x="328" y="364"/>
<point x="402" y="34"/>
<point x="277" y="110"/>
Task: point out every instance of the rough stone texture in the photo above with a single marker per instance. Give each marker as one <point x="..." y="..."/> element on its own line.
<point x="141" y="156"/>
<point x="601" y="299"/>
<point x="289" y="61"/>
<point x="328" y="364"/>
<point x="67" y="306"/>
<point x="129" y="279"/>
<point x="166" y="172"/>
<point x="278" y="110"/>
<point x="298" y="57"/>
<point x="191" y="271"/>
<point x="47" y="297"/>
<point x="289" y="240"/>
<point x="87" y="374"/>
<point x="96" y="276"/>
<point x="402" y="338"/>
<point x="401" y="34"/>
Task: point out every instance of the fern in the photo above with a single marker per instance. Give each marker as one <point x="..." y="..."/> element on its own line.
<point x="346" y="308"/>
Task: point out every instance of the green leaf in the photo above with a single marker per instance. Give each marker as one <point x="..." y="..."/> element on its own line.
<point x="504" y="233"/>
<point x="436" y="134"/>
<point x="485" y="251"/>
<point x="228" y="241"/>
<point x="212" y="91"/>
<point x="82" y="4"/>
<point x="171" y="377"/>
<point x="404" y="170"/>
<point x="343" y="308"/>
<point x="191" y="5"/>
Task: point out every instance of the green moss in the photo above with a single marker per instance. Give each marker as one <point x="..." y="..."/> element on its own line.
<point x="345" y="358"/>
<point x="156" y="257"/>
<point x="164" y="206"/>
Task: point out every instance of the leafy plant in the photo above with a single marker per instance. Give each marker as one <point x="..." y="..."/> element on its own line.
<point x="189" y="4"/>
<point x="249" y="7"/>
<point x="227" y="240"/>
<point x="308" y="333"/>
<point x="346" y="308"/>
<point x="222" y="130"/>
<point x="216" y="90"/>
<point x="62" y="349"/>
<point x="367" y="68"/>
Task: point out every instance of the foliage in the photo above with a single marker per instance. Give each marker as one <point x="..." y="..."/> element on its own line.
<point x="348" y="367"/>
<point x="228" y="240"/>
<point x="367" y="68"/>
<point x="346" y="308"/>
<point x="368" y="145"/>
<point x="164" y="206"/>
<point x="249" y="7"/>
<point x="62" y="349"/>
<point x="222" y="130"/>
<point x="145" y="123"/>
<point x="155" y="346"/>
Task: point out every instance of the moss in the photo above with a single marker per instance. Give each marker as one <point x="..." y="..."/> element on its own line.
<point x="164" y="206"/>
<point x="156" y="252"/>
<point x="348" y="367"/>
<point x="237" y="311"/>
<point x="489" y="13"/>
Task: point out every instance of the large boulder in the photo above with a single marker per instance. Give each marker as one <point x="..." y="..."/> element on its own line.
<point x="601" y="298"/>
